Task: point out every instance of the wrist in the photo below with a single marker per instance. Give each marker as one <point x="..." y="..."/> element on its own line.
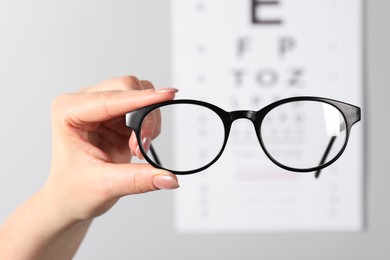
<point x="48" y="230"/>
<point x="62" y="207"/>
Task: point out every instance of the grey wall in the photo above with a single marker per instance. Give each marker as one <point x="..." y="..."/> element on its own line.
<point x="49" y="47"/>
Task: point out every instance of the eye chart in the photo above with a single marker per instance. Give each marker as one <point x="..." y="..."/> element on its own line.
<point x="245" y="54"/>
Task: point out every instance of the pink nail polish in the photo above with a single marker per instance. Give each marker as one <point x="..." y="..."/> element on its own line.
<point x="165" y="182"/>
<point x="167" y="90"/>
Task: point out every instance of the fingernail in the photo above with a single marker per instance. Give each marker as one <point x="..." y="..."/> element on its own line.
<point x="146" y="143"/>
<point x="164" y="182"/>
<point x="167" y="90"/>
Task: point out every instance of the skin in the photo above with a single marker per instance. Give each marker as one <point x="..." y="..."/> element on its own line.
<point x="90" y="169"/>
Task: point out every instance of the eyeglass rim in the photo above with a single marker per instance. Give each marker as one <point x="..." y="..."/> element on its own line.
<point x="350" y="113"/>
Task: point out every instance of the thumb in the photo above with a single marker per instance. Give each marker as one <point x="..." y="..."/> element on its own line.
<point x="127" y="179"/>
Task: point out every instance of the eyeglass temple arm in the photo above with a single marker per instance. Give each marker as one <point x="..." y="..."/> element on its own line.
<point x="327" y="150"/>
<point x="154" y="155"/>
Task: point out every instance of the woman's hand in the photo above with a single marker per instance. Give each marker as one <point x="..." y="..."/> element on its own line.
<point x="92" y="147"/>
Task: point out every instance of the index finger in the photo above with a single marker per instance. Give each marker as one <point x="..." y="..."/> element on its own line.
<point x="91" y="107"/>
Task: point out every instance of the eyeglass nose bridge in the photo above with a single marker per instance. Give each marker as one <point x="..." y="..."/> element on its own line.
<point x="243" y="114"/>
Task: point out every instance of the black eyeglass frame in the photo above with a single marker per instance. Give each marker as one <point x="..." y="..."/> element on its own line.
<point x="350" y="113"/>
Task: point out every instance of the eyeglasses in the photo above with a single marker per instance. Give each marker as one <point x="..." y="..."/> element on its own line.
<point x="300" y="134"/>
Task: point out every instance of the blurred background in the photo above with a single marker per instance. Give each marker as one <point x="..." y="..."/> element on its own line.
<point x="51" y="47"/>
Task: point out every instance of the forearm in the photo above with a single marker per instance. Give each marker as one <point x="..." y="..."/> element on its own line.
<point x="39" y="230"/>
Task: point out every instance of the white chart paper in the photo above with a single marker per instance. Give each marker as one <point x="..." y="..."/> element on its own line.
<point x="239" y="55"/>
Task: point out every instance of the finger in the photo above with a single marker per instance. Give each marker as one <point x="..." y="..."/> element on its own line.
<point x="92" y="107"/>
<point x="126" y="179"/>
<point x="124" y="83"/>
<point x="151" y="124"/>
<point x="118" y="126"/>
<point x="134" y="146"/>
<point x="150" y="129"/>
<point x="121" y="83"/>
<point x="146" y="84"/>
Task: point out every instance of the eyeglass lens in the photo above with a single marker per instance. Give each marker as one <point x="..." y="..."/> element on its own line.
<point x="197" y="130"/>
<point x="296" y="134"/>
